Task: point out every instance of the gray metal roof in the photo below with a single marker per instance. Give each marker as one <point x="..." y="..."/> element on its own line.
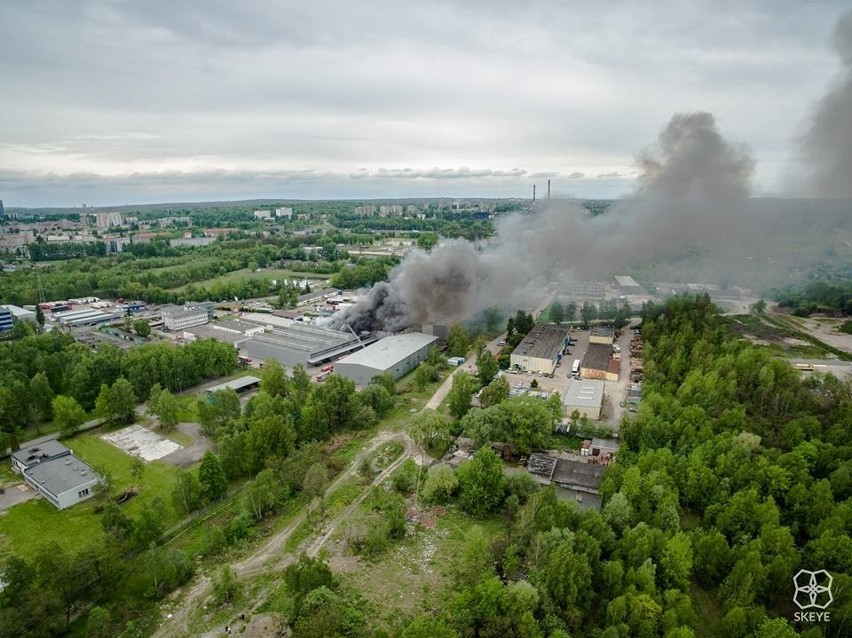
<point x="236" y="384"/>
<point x="542" y="342"/>
<point x="587" y="393"/>
<point x="32" y="453"/>
<point x="389" y="351"/>
<point x="62" y="474"/>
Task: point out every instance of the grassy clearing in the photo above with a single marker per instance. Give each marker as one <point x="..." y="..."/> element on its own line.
<point x="35" y="522"/>
<point x="414" y="575"/>
<point x="246" y="273"/>
<point x="344" y="495"/>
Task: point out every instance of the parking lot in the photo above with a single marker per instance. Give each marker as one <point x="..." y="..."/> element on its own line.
<point x="614" y="391"/>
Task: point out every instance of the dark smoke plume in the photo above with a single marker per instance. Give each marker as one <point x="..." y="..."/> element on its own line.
<point x="691" y="189"/>
<point x="827" y="144"/>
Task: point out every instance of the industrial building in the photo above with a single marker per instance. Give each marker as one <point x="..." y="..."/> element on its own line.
<point x="397" y="354"/>
<point x="627" y="285"/>
<point x="586" y="397"/>
<point x="302" y="343"/>
<point x="602" y="334"/>
<point x="237" y="327"/>
<point x="575" y="478"/>
<point x="53" y="471"/>
<point x="540" y="350"/>
<point x="6" y="320"/>
<point x="599" y="364"/>
<point x="19" y="314"/>
<point x="85" y="317"/>
<point x="237" y="385"/>
<point x="178" y="318"/>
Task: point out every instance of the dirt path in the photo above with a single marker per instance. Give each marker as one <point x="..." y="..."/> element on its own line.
<point x="179" y="618"/>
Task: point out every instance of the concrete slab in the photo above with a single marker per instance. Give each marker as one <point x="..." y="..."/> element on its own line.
<point x="142" y="442"/>
<point x="16" y="494"/>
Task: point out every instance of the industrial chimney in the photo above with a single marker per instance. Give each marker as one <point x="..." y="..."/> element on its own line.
<point x="548" y="189"/>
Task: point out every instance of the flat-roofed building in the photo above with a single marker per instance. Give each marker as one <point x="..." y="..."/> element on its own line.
<point x="234" y="326"/>
<point x="53" y="471"/>
<point x="302" y="343"/>
<point x="179" y="318"/>
<point x="19" y="314"/>
<point x="627" y="285"/>
<point x="540" y="350"/>
<point x="586" y="397"/>
<point x="242" y="384"/>
<point x="397" y="354"/>
<point x="596" y="363"/>
<point x="602" y="334"/>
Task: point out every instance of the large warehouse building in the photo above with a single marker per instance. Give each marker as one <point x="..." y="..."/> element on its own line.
<point x="540" y="350"/>
<point x="586" y="397"/>
<point x="301" y="343"/>
<point x="398" y="354"/>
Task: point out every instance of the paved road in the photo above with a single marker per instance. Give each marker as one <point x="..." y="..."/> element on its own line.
<point x="469" y="366"/>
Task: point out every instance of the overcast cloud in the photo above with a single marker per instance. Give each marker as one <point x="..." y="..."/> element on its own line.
<point x="155" y="100"/>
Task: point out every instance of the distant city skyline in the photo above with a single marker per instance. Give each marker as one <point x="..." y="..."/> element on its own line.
<point x="132" y="103"/>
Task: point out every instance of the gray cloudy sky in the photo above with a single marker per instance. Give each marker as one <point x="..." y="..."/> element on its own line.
<point x="164" y="100"/>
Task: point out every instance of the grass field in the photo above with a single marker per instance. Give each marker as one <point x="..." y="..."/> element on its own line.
<point x="414" y="574"/>
<point x="27" y="525"/>
<point x="246" y="273"/>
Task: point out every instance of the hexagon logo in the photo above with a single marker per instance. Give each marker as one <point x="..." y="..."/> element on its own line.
<point x="813" y="589"/>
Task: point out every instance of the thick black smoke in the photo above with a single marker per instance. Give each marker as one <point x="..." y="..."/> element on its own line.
<point x="827" y="144"/>
<point x="692" y="185"/>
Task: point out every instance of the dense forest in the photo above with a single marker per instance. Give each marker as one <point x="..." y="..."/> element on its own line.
<point x="35" y="370"/>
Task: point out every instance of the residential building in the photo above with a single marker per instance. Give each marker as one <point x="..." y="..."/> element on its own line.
<point x="116" y="244"/>
<point x="262" y="214"/>
<point x="109" y="219"/>
<point x="365" y="211"/>
<point x="284" y="212"/>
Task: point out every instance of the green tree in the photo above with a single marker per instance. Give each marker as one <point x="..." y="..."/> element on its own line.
<point x="378" y="398"/>
<point x="117" y="404"/>
<point x="166" y="409"/>
<point x="529" y="422"/>
<point x="186" y="494"/>
<point x="460" y="394"/>
<point x="142" y="328"/>
<point x="98" y="623"/>
<point x="40" y="397"/>
<point x="316" y="481"/>
<point x="274" y="380"/>
<point x="39" y="316"/>
<point x="428" y="627"/>
<point x="260" y="494"/>
<point x="440" y="485"/>
<point x="212" y="478"/>
<point x="67" y="414"/>
<point x="494" y="393"/>
<point x="424" y="374"/>
<point x="458" y="341"/>
<point x="588" y="313"/>
<point x="137" y="469"/>
<point x="427" y="426"/>
<point x="225" y="585"/>
<point x="486" y="367"/>
<point x="217" y="411"/>
<point x="482" y="482"/>
<point x="557" y="312"/>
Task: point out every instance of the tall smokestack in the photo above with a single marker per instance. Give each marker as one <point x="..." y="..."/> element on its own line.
<point x="548" y="189"/>
<point x="533" y="193"/>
